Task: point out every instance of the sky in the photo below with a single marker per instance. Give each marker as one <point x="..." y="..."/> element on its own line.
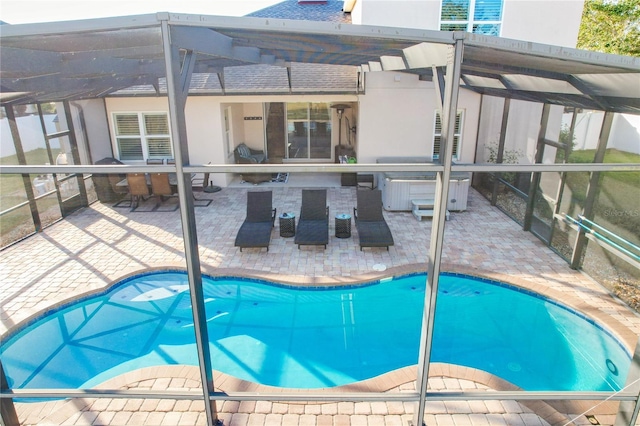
<point x="33" y="11"/>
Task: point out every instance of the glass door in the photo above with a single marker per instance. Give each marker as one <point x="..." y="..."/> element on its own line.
<point x="308" y="131"/>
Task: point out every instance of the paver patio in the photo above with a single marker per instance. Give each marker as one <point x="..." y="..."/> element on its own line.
<point x="99" y="245"/>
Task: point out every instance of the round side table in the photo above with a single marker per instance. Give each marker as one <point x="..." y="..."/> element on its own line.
<point x="287" y="224"/>
<point x="343" y="225"/>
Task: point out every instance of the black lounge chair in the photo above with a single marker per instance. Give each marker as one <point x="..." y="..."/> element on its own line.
<point x="255" y="231"/>
<point x="373" y="230"/>
<point x="313" y="225"/>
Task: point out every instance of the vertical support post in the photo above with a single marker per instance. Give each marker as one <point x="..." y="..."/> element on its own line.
<point x="535" y="176"/>
<point x="449" y="106"/>
<point x="178" y="78"/>
<point x="563" y="175"/>
<point x="8" y="415"/>
<point x="628" y="410"/>
<point x="500" y="153"/>
<point x="22" y="159"/>
<point x="52" y="160"/>
<point x="75" y="154"/>
<point x="592" y="190"/>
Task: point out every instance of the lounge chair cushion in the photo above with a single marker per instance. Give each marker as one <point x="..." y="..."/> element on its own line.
<point x="244" y="154"/>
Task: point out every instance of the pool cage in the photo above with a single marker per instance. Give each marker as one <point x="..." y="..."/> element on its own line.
<point x="169" y="49"/>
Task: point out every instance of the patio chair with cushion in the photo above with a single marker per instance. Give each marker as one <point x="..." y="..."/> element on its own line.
<point x="313" y="225"/>
<point x="255" y="231"/>
<point x="373" y="230"/>
<point x="161" y="188"/>
<point x="244" y="154"/>
<point x="138" y="188"/>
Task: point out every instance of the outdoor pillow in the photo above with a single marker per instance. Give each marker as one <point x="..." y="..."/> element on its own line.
<point x="244" y="151"/>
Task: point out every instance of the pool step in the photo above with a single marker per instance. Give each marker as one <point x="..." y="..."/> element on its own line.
<point x="424" y="208"/>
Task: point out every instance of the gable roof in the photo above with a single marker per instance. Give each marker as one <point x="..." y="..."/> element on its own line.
<point x="95" y="58"/>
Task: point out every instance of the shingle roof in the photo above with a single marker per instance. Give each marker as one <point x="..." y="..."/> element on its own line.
<point x="329" y="11"/>
<point x="263" y="79"/>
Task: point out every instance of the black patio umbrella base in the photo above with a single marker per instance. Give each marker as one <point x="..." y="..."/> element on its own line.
<point x="211" y="188"/>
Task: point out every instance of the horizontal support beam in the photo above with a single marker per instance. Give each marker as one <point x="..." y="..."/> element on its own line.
<point x="323" y="396"/>
<point x="323" y="168"/>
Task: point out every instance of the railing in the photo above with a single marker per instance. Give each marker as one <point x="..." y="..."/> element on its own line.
<point x="615" y="244"/>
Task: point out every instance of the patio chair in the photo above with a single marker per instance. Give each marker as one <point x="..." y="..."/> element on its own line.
<point x="255" y="231"/>
<point x="119" y="190"/>
<point x="313" y="225"/>
<point x="138" y="188"/>
<point x="373" y="230"/>
<point x="161" y="188"/>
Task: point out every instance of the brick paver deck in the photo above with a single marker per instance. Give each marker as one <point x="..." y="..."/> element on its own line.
<point x="100" y="245"/>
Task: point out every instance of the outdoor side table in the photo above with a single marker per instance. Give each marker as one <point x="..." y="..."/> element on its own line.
<point x="343" y="225"/>
<point x="287" y="224"/>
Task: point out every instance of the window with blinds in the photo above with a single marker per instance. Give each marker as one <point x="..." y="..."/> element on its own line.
<point x="477" y="16"/>
<point x="141" y="136"/>
<point x="457" y="136"/>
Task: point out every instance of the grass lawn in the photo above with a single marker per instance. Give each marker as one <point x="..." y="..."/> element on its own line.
<point x="12" y="193"/>
<point x="12" y="183"/>
<point x="617" y="206"/>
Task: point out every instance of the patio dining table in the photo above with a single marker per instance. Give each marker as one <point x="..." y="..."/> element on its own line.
<point x="173" y="180"/>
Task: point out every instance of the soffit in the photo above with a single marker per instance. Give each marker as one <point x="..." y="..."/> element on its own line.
<point x="95" y="58"/>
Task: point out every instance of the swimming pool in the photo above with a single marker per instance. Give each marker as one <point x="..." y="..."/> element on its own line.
<point x="319" y="337"/>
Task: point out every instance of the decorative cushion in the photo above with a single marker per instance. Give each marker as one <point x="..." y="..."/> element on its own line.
<point x="244" y="151"/>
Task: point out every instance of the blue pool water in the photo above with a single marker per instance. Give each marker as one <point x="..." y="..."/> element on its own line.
<point x="310" y="338"/>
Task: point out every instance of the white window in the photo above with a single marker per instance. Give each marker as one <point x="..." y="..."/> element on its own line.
<point x="141" y="136"/>
<point x="457" y="136"/>
<point x="474" y="16"/>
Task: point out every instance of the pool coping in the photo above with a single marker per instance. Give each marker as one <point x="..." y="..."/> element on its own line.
<point x="550" y="411"/>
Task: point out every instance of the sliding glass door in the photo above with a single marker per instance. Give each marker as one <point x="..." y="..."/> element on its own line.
<point x="308" y="130"/>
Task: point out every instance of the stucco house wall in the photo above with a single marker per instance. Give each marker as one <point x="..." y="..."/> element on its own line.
<point x="555" y="22"/>
<point x="424" y="14"/>
<point x="542" y="21"/>
<point x="96" y="127"/>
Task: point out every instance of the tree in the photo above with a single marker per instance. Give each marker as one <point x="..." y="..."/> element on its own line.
<point x="611" y="26"/>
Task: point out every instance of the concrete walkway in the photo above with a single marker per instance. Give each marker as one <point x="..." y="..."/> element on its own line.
<point x="95" y="247"/>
